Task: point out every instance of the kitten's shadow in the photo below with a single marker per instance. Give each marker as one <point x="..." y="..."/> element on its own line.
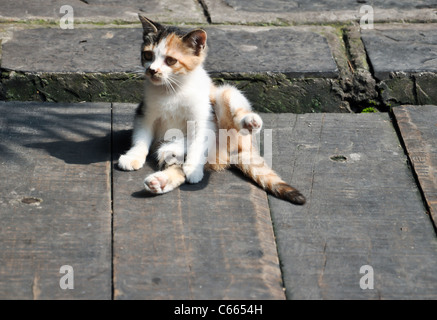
<point x="105" y="148"/>
<point x="197" y="186"/>
<point x="121" y="143"/>
<point x="93" y="150"/>
<point x="143" y="194"/>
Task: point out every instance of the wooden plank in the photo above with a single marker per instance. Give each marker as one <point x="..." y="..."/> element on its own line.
<point x="363" y="208"/>
<point x="418" y="127"/>
<point x="212" y="240"/>
<point x="55" y="200"/>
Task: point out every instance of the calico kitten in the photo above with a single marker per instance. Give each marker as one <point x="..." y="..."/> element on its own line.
<point x="181" y="98"/>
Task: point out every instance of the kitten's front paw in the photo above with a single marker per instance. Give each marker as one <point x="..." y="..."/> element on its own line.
<point x="129" y="163"/>
<point x="193" y="173"/>
<point x="252" y="122"/>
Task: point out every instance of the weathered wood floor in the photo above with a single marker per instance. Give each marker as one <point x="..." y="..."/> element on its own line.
<point x="64" y="202"/>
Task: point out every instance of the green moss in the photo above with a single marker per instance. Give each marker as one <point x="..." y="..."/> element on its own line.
<point x="369" y="110"/>
<point x="316" y="105"/>
<point x="37" y="22"/>
<point x="71" y="87"/>
<point x="268" y="93"/>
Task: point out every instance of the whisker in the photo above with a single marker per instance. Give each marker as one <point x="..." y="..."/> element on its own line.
<point x="169" y="85"/>
<point x="174" y="79"/>
<point x="167" y="89"/>
<point x="176" y="82"/>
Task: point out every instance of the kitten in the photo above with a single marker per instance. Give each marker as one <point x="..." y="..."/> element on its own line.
<point x="180" y="110"/>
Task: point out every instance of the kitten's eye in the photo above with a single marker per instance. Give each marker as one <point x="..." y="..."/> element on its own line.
<point x="148" y="55"/>
<point x="170" y="61"/>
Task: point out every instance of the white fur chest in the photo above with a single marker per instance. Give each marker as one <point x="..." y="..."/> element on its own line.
<point x="172" y="110"/>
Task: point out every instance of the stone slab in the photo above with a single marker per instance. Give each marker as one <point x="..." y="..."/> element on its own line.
<point x="409" y="89"/>
<point x="212" y="240"/>
<point x="293" y="51"/>
<point x="296" y="51"/>
<point x="398" y="89"/>
<point x="267" y="92"/>
<point x="55" y="200"/>
<point x="301" y="11"/>
<point x="425" y="84"/>
<point x="409" y="49"/>
<point x="104" y="65"/>
<point x="97" y="11"/>
<point x="55" y="50"/>
<point x="313" y="5"/>
<point x="363" y="208"/>
<point x="418" y="127"/>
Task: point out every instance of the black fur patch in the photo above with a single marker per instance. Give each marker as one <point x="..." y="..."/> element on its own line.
<point x="140" y="109"/>
<point x="149" y="38"/>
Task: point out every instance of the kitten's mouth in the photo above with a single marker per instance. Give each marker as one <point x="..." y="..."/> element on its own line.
<point x="155" y="80"/>
<point x="154" y="77"/>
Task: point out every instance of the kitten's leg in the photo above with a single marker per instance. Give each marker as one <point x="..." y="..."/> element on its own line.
<point x="171" y="152"/>
<point x="197" y="144"/>
<point x="248" y="120"/>
<point x="165" y="181"/>
<point x="170" y="155"/>
<point x="233" y="110"/>
<point x="142" y="137"/>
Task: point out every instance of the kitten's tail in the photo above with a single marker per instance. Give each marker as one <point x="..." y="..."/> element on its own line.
<point x="269" y="180"/>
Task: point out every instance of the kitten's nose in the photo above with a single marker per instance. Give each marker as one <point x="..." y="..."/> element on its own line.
<point x="152" y="71"/>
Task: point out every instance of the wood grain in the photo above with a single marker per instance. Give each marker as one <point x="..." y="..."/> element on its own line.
<point x="55" y="204"/>
<point x="212" y="240"/>
<point x="418" y="127"/>
<point x="363" y="208"/>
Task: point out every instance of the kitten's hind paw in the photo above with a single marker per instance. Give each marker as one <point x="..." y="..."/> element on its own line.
<point x="252" y="122"/>
<point x="157" y="183"/>
<point x="129" y="163"/>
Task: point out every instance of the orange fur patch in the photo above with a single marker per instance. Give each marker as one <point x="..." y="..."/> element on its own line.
<point x="212" y="95"/>
<point x="240" y="113"/>
<point x="187" y="61"/>
<point x="226" y="120"/>
<point x="150" y="47"/>
<point x="175" y="174"/>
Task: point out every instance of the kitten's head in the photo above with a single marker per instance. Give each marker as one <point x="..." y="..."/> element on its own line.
<point x="168" y="53"/>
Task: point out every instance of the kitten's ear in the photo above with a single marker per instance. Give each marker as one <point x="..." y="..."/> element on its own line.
<point x="148" y="25"/>
<point x="196" y="40"/>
